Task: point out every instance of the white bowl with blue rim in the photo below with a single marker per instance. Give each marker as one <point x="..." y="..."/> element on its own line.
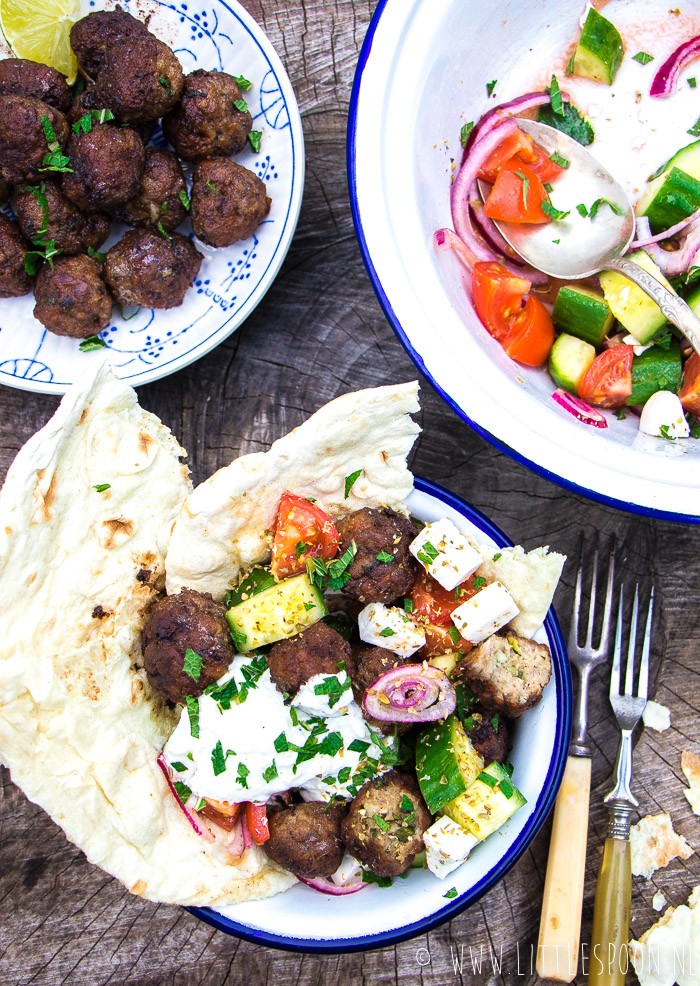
<point x="422" y="73"/>
<point x="302" y="919"/>
<point x="144" y="344"/>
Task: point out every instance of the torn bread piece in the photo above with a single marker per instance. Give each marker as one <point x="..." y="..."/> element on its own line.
<point x="658" y="901"/>
<point x="654" y="844"/>
<point x="531" y="578"/>
<point x="656" y="716"/>
<point x="669" y="951"/>
<point x="690" y="765"/>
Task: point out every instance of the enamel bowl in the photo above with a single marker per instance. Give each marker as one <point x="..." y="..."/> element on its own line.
<point x="423" y="72"/>
<point x="144" y="344"/>
<point x="302" y="919"/>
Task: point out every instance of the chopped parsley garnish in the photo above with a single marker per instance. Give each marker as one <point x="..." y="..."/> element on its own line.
<point x="369" y="877"/>
<point x="358" y="746"/>
<point x="193" y="664"/>
<point x="344" y="775"/>
<point x="643" y="57"/>
<point x="243" y="83"/>
<point x="526" y="185"/>
<point x="333" y="574"/>
<point x="490" y="86"/>
<point x="620" y="415"/>
<point x="570" y="122"/>
<point x="254" y="138"/>
<point x="162" y="231"/>
<point x="55" y="159"/>
<point x="465" y="131"/>
<point x="179" y="767"/>
<point x="216" y="191"/>
<point x="333" y="688"/>
<point x="350" y="481"/>
<point x="496" y="556"/>
<point x="665" y="433"/>
<point x="223" y="695"/>
<point x="506" y="788"/>
<point x="91" y="343"/>
<point x="406" y="804"/>
<point x="281" y="745"/>
<point x="165" y="84"/>
<point x="96" y="255"/>
<point x="387" y="632"/>
<point x="693" y="424"/>
<point x="85" y="122"/>
<point x="243" y="772"/>
<point x="270" y="772"/>
<point x="454" y="635"/>
<point x="593" y="212"/>
<point x="218" y="760"/>
<point x="308" y="606"/>
<point x="465" y="700"/>
<point x="201" y="803"/>
<point x="408" y="605"/>
<point x="185" y="199"/>
<point x="556" y="102"/>
<point x="487" y="779"/>
<point x="300" y="547"/>
<point x="381" y="823"/>
<point x="193" y="713"/>
<point x="508" y="767"/>
<point x="556" y="214"/>
<point x="427" y="554"/>
<point x="294" y="715"/>
<point x="695" y="129"/>
<point x="692" y="83"/>
<point x="182" y="791"/>
<point x="241" y="105"/>
<point x="570" y="65"/>
<point x="385" y="557"/>
<point x="494" y="721"/>
<point x="558" y="159"/>
<point x="479" y="582"/>
<point x="451" y="893"/>
<point x="101" y="487"/>
<point x="251" y="673"/>
<point x="239" y="638"/>
<point x="582" y="210"/>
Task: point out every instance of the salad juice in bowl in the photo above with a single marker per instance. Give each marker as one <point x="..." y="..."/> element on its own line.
<point x="458" y="74"/>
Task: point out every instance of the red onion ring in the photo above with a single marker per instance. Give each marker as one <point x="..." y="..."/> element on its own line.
<point x="666" y="234"/>
<point x="235" y="844"/>
<point x="334" y="889"/>
<point x="666" y="78"/>
<point x="410" y="693"/>
<point x="672" y="262"/>
<point x="584" y="412"/>
<point x="203" y="831"/>
<point x="495" y="116"/>
<point x="446" y="239"/>
<point x="490" y="232"/>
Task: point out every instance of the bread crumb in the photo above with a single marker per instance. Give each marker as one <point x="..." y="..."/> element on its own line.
<point x="658" y="901"/>
<point x="654" y="844"/>
<point x="656" y="716"/>
<point x="690" y="765"/>
<point x="669" y="952"/>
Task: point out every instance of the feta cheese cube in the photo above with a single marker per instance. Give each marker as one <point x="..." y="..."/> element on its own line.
<point x="390" y="627"/>
<point x="447" y="845"/>
<point x="485" y="613"/>
<point x="348" y="872"/>
<point x="663" y="416"/>
<point x="445" y="553"/>
<point x="639" y="347"/>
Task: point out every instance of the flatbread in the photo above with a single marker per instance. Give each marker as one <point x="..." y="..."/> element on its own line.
<point x="654" y="843"/>
<point x="531" y="578"/>
<point x="669" y="951"/>
<point x="80" y="728"/>
<point x="225" y="525"/>
<point x="690" y="765"/>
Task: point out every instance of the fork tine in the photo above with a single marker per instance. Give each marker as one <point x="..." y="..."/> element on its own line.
<point x="591" y="604"/>
<point x="573" y="632"/>
<point x="643" y="687"/>
<point x="605" y="629"/>
<point x="629" y="677"/>
<point x="617" y="652"/>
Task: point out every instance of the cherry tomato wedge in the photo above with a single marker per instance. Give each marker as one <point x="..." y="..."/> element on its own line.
<point x="302" y="530"/>
<point x="690" y="391"/>
<point x="223" y="813"/>
<point x="434" y="604"/>
<point x="608" y="380"/>
<point x="542" y="164"/>
<point x="256" y="817"/>
<point x="517" y="195"/>
<point x="515" y="144"/>
<point x="522" y="325"/>
<point x="439" y="640"/>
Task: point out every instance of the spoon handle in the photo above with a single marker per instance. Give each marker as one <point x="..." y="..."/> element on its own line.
<point x="673" y="307"/>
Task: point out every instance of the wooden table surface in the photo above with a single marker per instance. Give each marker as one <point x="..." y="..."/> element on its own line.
<point x="318" y="333"/>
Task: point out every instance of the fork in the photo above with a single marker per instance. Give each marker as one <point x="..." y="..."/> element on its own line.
<point x="611" y="911"/>
<point x="560" y="922"/>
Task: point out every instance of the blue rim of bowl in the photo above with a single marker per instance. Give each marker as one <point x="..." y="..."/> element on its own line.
<point x="589" y="494"/>
<point x="562" y="676"/>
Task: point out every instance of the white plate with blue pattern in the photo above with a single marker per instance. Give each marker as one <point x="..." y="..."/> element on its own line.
<point x="149" y="344"/>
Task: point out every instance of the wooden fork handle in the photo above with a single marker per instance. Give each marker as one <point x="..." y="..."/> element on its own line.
<point x="560" y="923"/>
<point x="611" y="916"/>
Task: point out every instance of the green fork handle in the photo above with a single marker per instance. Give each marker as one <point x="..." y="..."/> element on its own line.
<point x="611" y="916"/>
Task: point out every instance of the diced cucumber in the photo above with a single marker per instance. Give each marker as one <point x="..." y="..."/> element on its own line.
<point x="568" y="361"/>
<point x="489" y="802"/>
<point x="282" y="610"/>
<point x="255" y="581"/>
<point x="671" y="197"/>
<point x="445" y="662"/>
<point x="655" y="369"/>
<point x="600" y="50"/>
<point x="446" y="762"/>
<point x="583" y="313"/>
<point x="693" y="300"/>
<point x="629" y="304"/>
<point x="687" y="159"/>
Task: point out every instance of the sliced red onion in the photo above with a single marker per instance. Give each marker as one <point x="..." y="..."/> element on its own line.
<point x="615" y="340"/>
<point x="446" y="239"/>
<point x="410" y="693"/>
<point x="584" y="412"/>
<point x="490" y="232"/>
<point x="199" y="829"/>
<point x="666" y="78"/>
<point x="672" y="262"/>
<point x="645" y="238"/>
<point x="247" y="837"/>
<point x="235" y="844"/>
<point x="505" y="111"/>
<point x="328" y="887"/>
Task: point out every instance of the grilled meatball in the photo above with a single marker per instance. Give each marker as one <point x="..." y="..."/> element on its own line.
<point x="108" y="163"/>
<point x="305" y="839"/>
<point x="140" y="81"/>
<point x="158" y="198"/>
<point x="43" y="211"/>
<point x="388" y="849"/>
<point x="206" y="121"/>
<point x="228" y="202"/>
<point x="189" y="619"/>
<point x="71" y="298"/>
<point x="21" y="77"/>
<point x="93" y="36"/>
<point x="23" y="141"/>
<point x="507" y="674"/>
<point x="367" y="664"/>
<point x="14" y="280"/>
<point x="488" y="740"/>
<point x="316" y="650"/>
<point x="374" y="532"/>
<point x="146" y="269"/>
<point x="85" y="102"/>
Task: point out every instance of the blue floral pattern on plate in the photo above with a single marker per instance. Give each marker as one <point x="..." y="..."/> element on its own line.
<point x="145" y="345"/>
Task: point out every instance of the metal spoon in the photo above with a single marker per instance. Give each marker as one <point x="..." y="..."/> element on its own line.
<point x="579" y="246"/>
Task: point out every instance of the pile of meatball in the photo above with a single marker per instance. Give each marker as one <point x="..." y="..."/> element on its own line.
<point x="506" y="675"/>
<point x="73" y="159"/>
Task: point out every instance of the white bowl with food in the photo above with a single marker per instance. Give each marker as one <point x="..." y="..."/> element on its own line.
<point x="309" y="666"/>
<point x="428" y="75"/>
<point x="148" y="335"/>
